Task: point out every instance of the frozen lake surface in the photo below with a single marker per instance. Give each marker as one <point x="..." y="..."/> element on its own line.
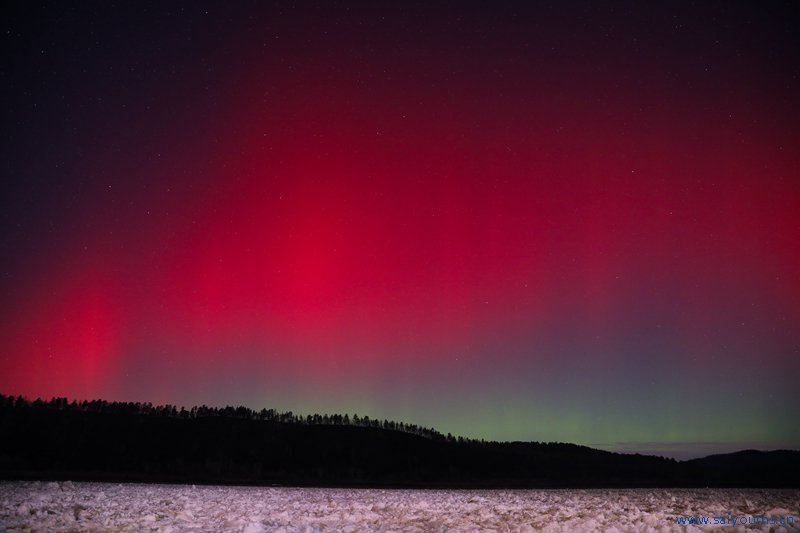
<point x="67" y="506"/>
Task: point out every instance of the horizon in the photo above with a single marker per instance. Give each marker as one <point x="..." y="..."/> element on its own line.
<point x="683" y="451"/>
<point x="515" y="222"/>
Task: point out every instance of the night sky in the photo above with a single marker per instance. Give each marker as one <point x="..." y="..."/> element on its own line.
<point x="556" y="222"/>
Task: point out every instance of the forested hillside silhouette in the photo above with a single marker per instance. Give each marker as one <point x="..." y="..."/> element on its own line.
<point x="204" y="411"/>
<point x="122" y="441"/>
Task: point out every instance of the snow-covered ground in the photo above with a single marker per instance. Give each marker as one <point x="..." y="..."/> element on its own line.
<point x="67" y="506"/>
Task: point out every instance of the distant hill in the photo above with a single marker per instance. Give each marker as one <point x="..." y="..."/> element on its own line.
<point x="133" y="442"/>
<point x="749" y="468"/>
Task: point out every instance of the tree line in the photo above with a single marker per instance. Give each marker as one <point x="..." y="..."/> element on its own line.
<point x="240" y="412"/>
<point x="127" y="441"/>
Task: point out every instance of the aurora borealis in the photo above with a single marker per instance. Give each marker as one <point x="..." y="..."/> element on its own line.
<point x="567" y="222"/>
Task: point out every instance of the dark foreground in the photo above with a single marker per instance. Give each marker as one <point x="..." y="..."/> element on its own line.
<point x="47" y="443"/>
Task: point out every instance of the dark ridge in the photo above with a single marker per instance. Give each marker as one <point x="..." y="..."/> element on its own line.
<point x="748" y="467"/>
<point x="117" y="441"/>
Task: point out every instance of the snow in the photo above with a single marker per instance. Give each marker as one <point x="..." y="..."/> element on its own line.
<point x="67" y="506"/>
